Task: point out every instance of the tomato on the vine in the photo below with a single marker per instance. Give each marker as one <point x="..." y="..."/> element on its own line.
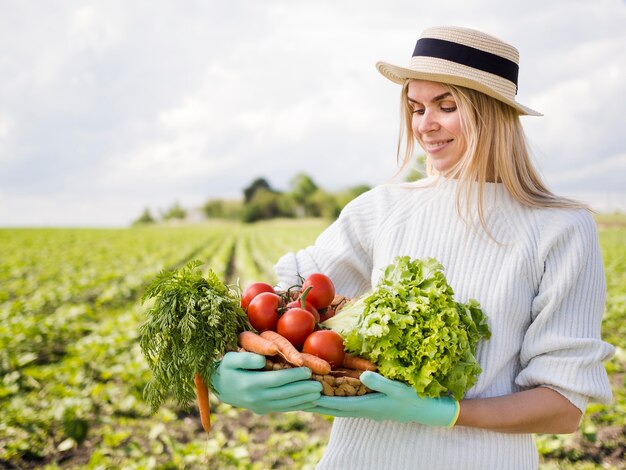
<point x="326" y="344"/>
<point x="252" y="291"/>
<point x="322" y="290"/>
<point x="296" y="325"/>
<point x="263" y="311"/>
<point x="307" y="306"/>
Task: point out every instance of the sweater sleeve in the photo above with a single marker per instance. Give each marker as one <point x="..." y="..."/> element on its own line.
<point x="343" y="251"/>
<point x="562" y="348"/>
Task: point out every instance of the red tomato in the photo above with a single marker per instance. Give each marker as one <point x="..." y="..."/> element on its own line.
<point x="326" y="344"/>
<point x="322" y="290"/>
<point x="252" y="291"/>
<point x="263" y="311"/>
<point x="307" y="306"/>
<point x="296" y="325"/>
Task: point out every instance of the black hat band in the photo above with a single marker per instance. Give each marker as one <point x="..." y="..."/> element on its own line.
<point x="469" y="56"/>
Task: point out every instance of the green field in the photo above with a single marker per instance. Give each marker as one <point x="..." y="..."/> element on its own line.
<point x="72" y="373"/>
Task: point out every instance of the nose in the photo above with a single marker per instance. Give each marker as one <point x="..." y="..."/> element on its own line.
<point x="426" y="122"/>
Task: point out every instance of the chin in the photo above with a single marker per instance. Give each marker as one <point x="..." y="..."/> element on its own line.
<point x="442" y="169"/>
<point x="443" y="166"/>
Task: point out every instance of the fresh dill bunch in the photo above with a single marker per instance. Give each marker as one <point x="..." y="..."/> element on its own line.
<point x="192" y="323"/>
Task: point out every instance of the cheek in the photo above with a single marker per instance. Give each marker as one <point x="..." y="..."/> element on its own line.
<point x="458" y="131"/>
<point x="453" y="124"/>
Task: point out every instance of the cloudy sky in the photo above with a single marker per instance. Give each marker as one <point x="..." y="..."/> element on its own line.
<point x="108" y="107"/>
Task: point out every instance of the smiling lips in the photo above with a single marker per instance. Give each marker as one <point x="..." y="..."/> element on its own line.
<point x="436" y="145"/>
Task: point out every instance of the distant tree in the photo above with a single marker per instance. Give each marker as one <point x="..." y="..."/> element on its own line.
<point x="266" y="204"/>
<point x="286" y="205"/>
<point x="344" y="197"/>
<point x="322" y="204"/>
<point x="213" y="208"/>
<point x="144" y="218"/>
<point x="222" y="209"/>
<point x="302" y="186"/>
<point x="175" y="212"/>
<point x="304" y="199"/>
<point x="257" y="185"/>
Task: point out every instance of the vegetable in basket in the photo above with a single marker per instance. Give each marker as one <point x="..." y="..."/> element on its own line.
<point x="192" y="323"/>
<point x="414" y="331"/>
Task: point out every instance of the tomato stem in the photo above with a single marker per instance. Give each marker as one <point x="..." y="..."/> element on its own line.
<point x="303" y="297"/>
<point x="297" y="287"/>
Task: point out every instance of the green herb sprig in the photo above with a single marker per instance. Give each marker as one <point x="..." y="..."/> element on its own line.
<point x="192" y="323"/>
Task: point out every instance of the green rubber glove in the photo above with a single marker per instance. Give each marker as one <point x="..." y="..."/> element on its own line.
<point x="395" y="401"/>
<point x="239" y="382"/>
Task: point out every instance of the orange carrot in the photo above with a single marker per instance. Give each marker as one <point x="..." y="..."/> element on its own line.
<point x="316" y="364"/>
<point x="252" y="342"/>
<point x="202" y="391"/>
<point x="358" y="363"/>
<point x="285" y="348"/>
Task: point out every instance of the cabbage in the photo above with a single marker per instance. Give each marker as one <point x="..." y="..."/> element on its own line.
<point x="414" y="331"/>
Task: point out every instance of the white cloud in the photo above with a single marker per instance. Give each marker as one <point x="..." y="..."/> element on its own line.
<point x="583" y="118"/>
<point x="92" y="27"/>
<point x="111" y="107"/>
<point x="65" y="209"/>
<point x="8" y="130"/>
<point x="612" y="169"/>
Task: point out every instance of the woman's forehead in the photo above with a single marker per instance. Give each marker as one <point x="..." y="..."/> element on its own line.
<point x="420" y="90"/>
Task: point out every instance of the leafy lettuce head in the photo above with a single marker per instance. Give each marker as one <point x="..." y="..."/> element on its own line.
<point x="414" y="331"/>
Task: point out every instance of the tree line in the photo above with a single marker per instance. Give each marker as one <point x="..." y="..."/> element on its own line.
<point x="261" y="201"/>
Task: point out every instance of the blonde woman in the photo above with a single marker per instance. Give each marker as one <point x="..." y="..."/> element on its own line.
<point x="529" y="257"/>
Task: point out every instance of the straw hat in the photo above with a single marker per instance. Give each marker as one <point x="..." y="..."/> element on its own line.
<point x="463" y="57"/>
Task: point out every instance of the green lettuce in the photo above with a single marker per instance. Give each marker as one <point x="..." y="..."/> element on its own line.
<point x="411" y="327"/>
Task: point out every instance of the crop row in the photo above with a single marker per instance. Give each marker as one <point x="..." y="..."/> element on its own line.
<point x="72" y="374"/>
<point x="56" y="282"/>
<point x="70" y="366"/>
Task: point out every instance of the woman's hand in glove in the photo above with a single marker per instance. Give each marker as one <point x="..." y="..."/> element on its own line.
<point x="239" y="381"/>
<point x="394" y="401"/>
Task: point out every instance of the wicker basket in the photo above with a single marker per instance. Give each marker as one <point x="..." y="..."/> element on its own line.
<point x="341" y="382"/>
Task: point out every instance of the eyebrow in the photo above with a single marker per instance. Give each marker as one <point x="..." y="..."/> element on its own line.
<point x="434" y="100"/>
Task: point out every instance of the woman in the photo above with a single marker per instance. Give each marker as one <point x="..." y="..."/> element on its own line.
<point x="529" y="257"/>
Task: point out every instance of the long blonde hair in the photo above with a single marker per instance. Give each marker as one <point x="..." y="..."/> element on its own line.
<point x="496" y="151"/>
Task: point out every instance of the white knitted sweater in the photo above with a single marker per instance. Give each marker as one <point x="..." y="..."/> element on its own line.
<point x="542" y="289"/>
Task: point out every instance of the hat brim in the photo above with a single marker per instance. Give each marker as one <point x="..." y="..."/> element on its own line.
<point x="399" y="74"/>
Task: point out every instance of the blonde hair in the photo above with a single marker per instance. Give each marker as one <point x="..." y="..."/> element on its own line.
<point x="496" y="151"/>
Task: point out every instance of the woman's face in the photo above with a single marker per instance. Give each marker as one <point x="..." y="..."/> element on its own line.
<point x="436" y="123"/>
